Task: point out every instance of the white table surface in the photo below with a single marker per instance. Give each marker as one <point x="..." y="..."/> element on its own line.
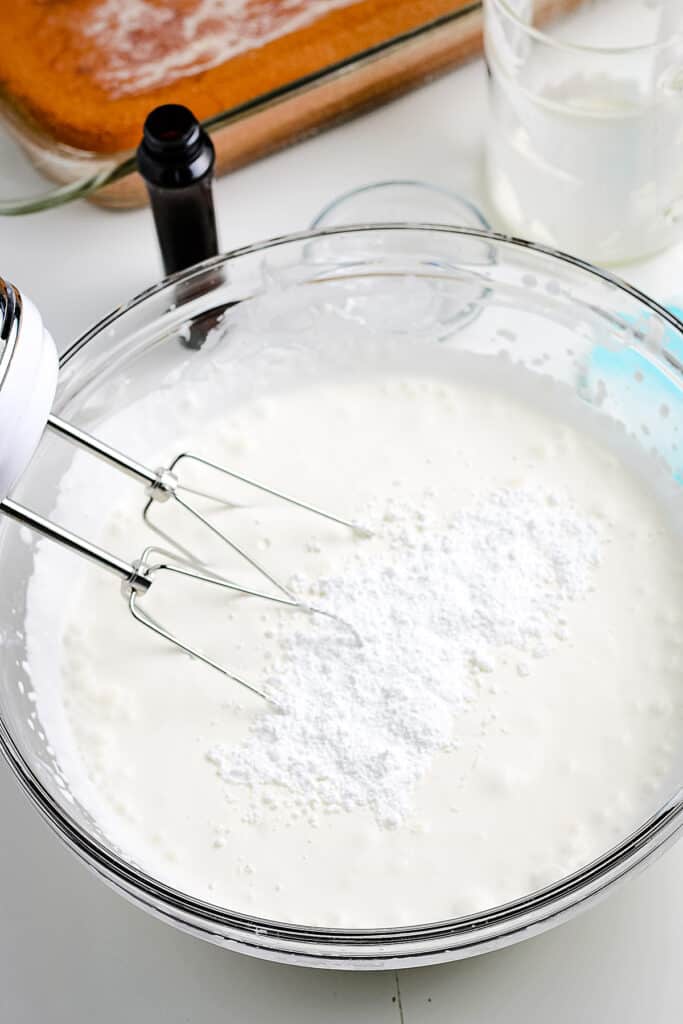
<point x="73" y="951"/>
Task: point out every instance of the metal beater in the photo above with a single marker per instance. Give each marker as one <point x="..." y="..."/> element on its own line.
<point x="28" y="378"/>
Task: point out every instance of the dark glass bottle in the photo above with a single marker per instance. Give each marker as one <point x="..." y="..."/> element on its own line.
<point x="176" y="159"/>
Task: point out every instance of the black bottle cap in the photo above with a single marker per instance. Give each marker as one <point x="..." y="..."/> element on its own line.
<point x="171" y="128"/>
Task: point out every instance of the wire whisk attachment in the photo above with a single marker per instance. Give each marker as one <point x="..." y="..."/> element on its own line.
<point x="28" y="376"/>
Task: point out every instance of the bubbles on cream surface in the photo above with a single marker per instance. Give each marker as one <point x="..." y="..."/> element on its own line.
<point x="513" y="708"/>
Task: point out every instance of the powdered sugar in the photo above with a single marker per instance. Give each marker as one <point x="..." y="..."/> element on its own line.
<point x="144" y="44"/>
<point x="434" y="605"/>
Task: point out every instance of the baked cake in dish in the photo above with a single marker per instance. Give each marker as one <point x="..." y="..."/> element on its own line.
<point x="87" y="72"/>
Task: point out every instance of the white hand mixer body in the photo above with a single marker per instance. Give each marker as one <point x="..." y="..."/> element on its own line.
<point x="28" y="381"/>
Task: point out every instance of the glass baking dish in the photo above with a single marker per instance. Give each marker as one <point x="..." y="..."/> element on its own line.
<point x="40" y="172"/>
<point x="430" y="285"/>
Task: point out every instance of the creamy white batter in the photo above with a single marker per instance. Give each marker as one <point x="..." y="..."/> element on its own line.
<point x="558" y="750"/>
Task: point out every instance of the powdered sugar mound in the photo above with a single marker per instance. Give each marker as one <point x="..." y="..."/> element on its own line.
<point x="366" y="710"/>
<point x="144" y="44"/>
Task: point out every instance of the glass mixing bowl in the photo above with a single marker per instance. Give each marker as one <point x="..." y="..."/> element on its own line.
<point x="470" y="290"/>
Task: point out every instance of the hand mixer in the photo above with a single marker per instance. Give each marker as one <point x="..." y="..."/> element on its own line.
<point x="28" y="378"/>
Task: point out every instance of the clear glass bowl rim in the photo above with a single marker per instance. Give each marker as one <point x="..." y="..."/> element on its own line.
<point x="604" y="51"/>
<point x="361" y="948"/>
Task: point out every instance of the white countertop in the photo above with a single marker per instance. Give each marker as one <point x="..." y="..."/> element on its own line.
<point x="73" y="951"/>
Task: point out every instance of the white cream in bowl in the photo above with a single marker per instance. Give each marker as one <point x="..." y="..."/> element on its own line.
<point x="501" y="703"/>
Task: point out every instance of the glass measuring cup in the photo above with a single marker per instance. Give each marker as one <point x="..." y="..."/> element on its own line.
<point x="585" y="140"/>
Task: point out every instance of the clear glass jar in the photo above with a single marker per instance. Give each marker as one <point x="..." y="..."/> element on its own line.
<point x="464" y="288"/>
<point x="585" y="137"/>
